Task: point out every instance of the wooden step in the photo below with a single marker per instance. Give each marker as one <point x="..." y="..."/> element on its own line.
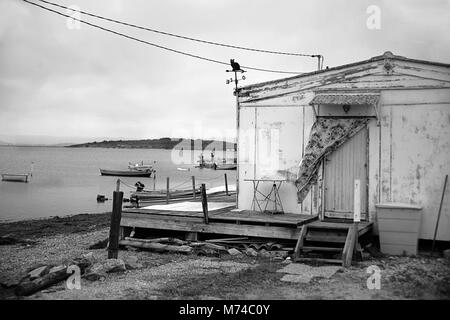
<point x="333" y="261"/>
<point x="325" y="238"/>
<point x="328" y="249"/>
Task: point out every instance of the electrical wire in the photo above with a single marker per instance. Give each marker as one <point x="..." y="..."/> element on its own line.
<point x="156" y="45"/>
<point x="180" y="36"/>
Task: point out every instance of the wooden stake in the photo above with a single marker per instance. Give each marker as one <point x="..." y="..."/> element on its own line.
<point x="114" y="230"/>
<point x="204" y="204"/>
<point x="193" y="187"/>
<point x="167" y="191"/>
<point x="226" y="184"/>
<point x="439" y="213"/>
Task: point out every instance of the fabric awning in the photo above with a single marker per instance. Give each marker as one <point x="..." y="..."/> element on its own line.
<point x="347" y="98"/>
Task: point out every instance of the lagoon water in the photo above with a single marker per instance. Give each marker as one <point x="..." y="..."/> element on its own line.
<point x="66" y="181"/>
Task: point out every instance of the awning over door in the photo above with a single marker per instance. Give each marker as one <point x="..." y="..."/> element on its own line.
<point x="347" y="98"/>
<point x="326" y="135"/>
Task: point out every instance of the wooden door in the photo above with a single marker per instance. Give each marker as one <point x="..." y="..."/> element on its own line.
<point x="342" y="167"/>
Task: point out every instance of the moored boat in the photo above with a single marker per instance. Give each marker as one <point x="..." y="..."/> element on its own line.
<point x="226" y="166"/>
<point x="16" y="177"/>
<point x="127" y="173"/>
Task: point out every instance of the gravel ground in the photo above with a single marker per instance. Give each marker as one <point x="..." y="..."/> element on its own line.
<point x="176" y="276"/>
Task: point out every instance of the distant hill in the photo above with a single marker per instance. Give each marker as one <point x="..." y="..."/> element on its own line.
<point x="162" y="143"/>
<point x="3" y="143"/>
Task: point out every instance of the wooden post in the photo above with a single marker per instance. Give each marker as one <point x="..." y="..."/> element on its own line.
<point x="226" y="184"/>
<point x="356" y="215"/>
<point x="167" y="191"/>
<point x="204" y="204"/>
<point x="114" y="230"/>
<point x="357" y="202"/>
<point x="193" y="187"/>
<point x="154" y="180"/>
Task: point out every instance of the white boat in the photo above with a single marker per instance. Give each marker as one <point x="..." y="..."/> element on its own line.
<point x="139" y="166"/>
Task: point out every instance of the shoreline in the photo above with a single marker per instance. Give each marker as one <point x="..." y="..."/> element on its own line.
<point x="55" y="225"/>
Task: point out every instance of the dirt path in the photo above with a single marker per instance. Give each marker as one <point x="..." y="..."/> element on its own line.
<point x="174" y="276"/>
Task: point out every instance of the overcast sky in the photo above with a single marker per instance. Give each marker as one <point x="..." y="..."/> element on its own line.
<point x="86" y="83"/>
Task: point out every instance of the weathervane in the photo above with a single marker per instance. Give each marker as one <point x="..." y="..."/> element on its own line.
<point x="235" y="68"/>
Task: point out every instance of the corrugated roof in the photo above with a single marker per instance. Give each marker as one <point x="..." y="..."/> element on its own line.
<point x="365" y="98"/>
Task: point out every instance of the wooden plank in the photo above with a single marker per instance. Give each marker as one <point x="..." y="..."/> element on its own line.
<point x="326" y="249"/>
<point x="334" y="261"/>
<point x="217" y="228"/>
<point x="350" y="242"/>
<point x="162" y="217"/>
<point x="300" y="241"/>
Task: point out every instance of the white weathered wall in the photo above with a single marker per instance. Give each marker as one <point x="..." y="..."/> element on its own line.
<point x="280" y="134"/>
<point x="415" y="153"/>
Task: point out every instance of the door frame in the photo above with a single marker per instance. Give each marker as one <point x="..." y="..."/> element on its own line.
<point x="364" y="216"/>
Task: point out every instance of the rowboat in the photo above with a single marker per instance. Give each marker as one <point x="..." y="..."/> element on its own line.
<point x="226" y="166"/>
<point x="127" y="173"/>
<point x="16" y="177"/>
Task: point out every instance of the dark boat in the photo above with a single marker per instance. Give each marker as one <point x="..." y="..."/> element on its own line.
<point x="226" y="166"/>
<point x="127" y="173"/>
<point x="15" y="177"/>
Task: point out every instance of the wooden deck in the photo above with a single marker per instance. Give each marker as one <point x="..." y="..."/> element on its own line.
<point x="228" y="221"/>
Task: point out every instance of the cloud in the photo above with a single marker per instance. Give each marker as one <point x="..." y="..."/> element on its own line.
<point x="60" y="82"/>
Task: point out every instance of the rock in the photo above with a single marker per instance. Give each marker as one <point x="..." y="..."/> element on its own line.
<point x="234" y="252"/>
<point x="57" y="268"/>
<point x="131" y="263"/>
<point x="10" y="283"/>
<point x="37" y="273"/>
<point x="251" y="252"/>
<point x="110" y="266"/>
<point x="287" y="260"/>
<point x="93" y="276"/>
<point x="263" y="253"/>
<point x="88" y="256"/>
<point x="208" y="252"/>
<point x="446" y="254"/>
<point x="278" y="255"/>
<point x="99" y="244"/>
<point x="99" y="270"/>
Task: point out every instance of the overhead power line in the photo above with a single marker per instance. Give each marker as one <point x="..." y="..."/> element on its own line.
<point x="181" y="36"/>
<point x="154" y="44"/>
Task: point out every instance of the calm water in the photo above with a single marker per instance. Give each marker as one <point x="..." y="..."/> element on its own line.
<point x="67" y="180"/>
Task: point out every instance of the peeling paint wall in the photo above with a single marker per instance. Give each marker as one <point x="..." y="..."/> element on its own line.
<point x="415" y="144"/>
<point x="409" y="151"/>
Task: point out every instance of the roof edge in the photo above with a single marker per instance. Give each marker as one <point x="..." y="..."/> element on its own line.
<point x="386" y="55"/>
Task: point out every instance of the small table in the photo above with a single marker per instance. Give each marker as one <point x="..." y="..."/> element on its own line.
<point x="272" y="197"/>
